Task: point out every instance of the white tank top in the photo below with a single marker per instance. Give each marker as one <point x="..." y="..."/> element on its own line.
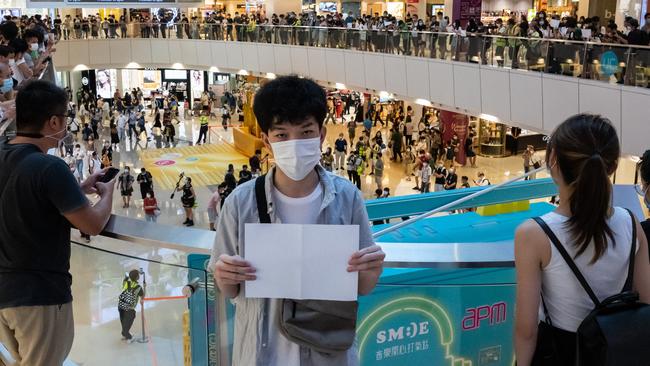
<point x="567" y="302"/>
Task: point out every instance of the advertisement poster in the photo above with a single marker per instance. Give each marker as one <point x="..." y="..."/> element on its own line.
<point x="151" y="79"/>
<point x="105" y="83"/>
<point x="196" y="78"/>
<point x="455" y="124"/>
<point x="467" y="9"/>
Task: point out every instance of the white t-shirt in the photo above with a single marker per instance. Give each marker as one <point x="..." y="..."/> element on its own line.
<point x="567" y="302"/>
<point x="290" y="210"/>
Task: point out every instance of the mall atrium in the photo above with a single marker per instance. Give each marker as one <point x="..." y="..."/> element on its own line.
<point x="397" y="170"/>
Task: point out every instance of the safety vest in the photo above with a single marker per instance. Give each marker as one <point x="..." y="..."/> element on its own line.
<point x="203" y="120"/>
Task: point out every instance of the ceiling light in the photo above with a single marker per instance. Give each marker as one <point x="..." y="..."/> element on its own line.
<point x="423" y="102"/>
<point x="489" y="117"/>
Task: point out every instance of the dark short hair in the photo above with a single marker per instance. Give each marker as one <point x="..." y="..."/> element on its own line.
<point x="9" y="30"/>
<point x="19" y="45"/>
<point x="36" y="102"/>
<point x="289" y="99"/>
<point x="5" y="50"/>
<point x="32" y="33"/>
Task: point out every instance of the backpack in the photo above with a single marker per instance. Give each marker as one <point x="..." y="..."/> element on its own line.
<point x="614" y="333"/>
<point x="128" y="299"/>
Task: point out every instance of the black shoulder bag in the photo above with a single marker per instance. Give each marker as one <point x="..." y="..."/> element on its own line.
<point x="323" y="326"/>
<point x="615" y="332"/>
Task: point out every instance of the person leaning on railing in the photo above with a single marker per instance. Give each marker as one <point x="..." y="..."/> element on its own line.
<point x="40" y="200"/>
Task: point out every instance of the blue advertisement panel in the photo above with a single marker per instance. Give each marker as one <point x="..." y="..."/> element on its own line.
<point x="437" y="325"/>
<point x="465" y="319"/>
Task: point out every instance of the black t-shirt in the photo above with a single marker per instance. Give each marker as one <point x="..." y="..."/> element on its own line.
<point x="637" y="37"/>
<point x="35" y="190"/>
<point x="451" y="180"/>
<point x="443" y="172"/>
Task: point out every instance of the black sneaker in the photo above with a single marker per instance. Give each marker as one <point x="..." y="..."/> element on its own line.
<point x="186" y="221"/>
<point x="190" y="223"/>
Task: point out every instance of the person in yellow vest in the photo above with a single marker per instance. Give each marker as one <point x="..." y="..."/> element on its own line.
<point x="203" y="131"/>
<point x="127" y="302"/>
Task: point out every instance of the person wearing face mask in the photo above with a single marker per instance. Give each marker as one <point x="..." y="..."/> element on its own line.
<point x="6" y="88"/>
<point x="125" y="185"/>
<point x="40" y="201"/>
<point x="643" y="189"/>
<point x="582" y="154"/>
<point x="290" y="112"/>
<point x="20" y="69"/>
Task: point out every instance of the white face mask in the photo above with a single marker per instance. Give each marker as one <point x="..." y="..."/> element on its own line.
<point x="296" y="158"/>
<point x="12" y="62"/>
<point x="33" y="46"/>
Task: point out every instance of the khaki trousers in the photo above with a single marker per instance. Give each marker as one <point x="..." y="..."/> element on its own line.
<point x="37" y="335"/>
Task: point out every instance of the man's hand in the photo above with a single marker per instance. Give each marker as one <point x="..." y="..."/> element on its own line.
<point x="233" y="270"/>
<point x="88" y="186"/>
<point x="367" y="259"/>
<point x="104" y="189"/>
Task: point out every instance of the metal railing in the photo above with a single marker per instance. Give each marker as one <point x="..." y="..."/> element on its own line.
<point x="611" y="63"/>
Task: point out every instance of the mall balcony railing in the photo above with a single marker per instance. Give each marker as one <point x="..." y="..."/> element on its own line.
<point x="610" y="63"/>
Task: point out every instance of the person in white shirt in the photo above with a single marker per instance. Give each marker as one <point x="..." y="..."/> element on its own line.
<point x="425" y="178"/>
<point x="482" y="181"/>
<point x="78" y="153"/>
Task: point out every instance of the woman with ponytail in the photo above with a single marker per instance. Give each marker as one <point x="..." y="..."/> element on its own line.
<point x="644" y="188"/>
<point x="581" y="156"/>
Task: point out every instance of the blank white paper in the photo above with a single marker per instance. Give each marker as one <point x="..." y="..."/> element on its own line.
<point x="301" y="261"/>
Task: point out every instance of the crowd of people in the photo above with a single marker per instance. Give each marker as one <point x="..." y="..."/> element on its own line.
<point x="25" y="54"/>
<point x="606" y="245"/>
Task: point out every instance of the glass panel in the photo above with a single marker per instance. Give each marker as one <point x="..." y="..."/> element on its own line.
<point x="162" y="336"/>
<point x="605" y="62"/>
<point x="566" y="58"/>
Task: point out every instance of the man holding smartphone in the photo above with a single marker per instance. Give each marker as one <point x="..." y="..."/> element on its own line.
<point x="40" y="200"/>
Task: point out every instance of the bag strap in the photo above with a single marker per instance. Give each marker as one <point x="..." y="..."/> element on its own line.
<point x="567" y="258"/>
<point x="630" y="271"/>
<point x="260" y="196"/>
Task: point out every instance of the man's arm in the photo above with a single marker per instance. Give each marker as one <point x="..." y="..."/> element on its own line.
<point x="92" y="219"/>
<point x="230" y="270"/>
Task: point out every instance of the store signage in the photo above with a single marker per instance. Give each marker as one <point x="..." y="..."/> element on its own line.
<point x="492" y="314"/>
<point x="609" y="63"/>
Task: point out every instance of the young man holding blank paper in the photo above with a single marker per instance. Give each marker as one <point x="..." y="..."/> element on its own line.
<point x="259" y="265"/>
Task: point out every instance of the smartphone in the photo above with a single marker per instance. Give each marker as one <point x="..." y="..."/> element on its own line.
<point x="110" y="174"/>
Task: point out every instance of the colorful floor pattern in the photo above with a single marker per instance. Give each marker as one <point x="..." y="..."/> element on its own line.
<point x="205" y="164"/>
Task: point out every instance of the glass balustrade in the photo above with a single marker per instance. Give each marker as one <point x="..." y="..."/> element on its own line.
<point x="165" y="331"/>
<point x="611" y="63"/>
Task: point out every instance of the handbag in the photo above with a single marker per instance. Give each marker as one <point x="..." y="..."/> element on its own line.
<point x="606" y="336"/>
<point x="321" y="325"/>
<point x="536" y="165"/>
